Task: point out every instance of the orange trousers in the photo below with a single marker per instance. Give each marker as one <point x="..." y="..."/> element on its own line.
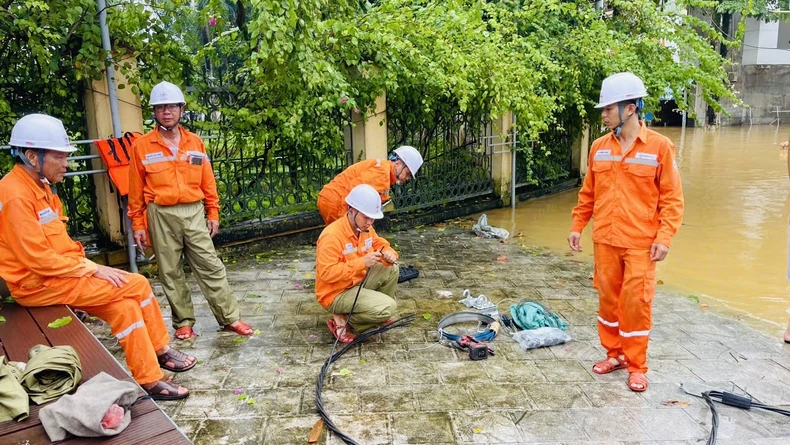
<point x="131" y="311"/>
<point x="331" y="211"/>
<point x="626" y="283"/>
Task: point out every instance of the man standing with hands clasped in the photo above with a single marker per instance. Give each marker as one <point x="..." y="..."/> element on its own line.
<point x="172" y="189"/>
<point x="633" y="192"/>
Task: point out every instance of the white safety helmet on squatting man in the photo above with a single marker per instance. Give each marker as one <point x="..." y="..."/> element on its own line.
<point x="621" y="88"/>
<point x="365" y="199"/>
<point x="410" y="156"/>
<point x="39" y="132"/>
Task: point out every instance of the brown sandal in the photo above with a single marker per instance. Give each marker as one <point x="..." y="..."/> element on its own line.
<point x="606" y="366"/>
<point x="635" y="380"/>
<point x="178" y="360"/>
<point x="165" y="391"/>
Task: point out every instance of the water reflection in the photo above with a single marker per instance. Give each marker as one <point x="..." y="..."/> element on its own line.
<point x="732" y="249"/>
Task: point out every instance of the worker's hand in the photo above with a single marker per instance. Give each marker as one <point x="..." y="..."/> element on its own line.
<point x="658" y="252"/>
<point x="116" y="277"/>
<point x="573" y="241"/>
<point x="371" y="258"/>
<point x="389" y="256"/>
<point x="213" y="227"/>
<point x="140" y="239"/>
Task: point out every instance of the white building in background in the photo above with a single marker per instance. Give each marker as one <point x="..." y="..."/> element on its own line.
<point x="762" y="74"/>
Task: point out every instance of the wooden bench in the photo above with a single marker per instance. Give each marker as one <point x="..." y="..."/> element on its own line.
<point x="27" y="327"/>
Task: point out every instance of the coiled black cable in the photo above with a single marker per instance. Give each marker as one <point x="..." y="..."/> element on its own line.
<point x="334" y="356"/>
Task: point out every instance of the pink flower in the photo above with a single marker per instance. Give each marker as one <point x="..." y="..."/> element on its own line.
<point x="344" y="100"/>
<point x="212" y="21"/>
<point x="356" y="110"/>
<point x="298" y="286"/>
<point x="312" y="336"/>
<point x="281" y="370"/>
<point x="237" y="391"/>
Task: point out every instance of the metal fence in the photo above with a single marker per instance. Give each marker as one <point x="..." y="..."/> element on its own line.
<point x="547" y="160"/>
<point x="256" y="180"/>
<point x="458" y="160"/>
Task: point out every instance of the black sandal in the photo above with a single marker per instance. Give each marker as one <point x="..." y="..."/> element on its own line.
<point x="156" y="391"/>
<point x="176" y="357"/>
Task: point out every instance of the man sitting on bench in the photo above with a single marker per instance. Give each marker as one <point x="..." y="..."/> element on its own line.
<point x="43" y="266"/>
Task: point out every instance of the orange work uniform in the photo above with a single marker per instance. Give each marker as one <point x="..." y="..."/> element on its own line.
<point x="339" y="261"/>
<point x="43" y="266"/>
<point x="376" y="173"/>
<point x="636" y="199"/>
<point x="165" y="178"/>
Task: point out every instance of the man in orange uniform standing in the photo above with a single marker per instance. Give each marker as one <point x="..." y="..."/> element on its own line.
<point x="169" y="175"/>
<point x="43" y="266"/>
<point x="402" y="166"/>
<point x="347" y="251"/>
<point x="633" y="192"/>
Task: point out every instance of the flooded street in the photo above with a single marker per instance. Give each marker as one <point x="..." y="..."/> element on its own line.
<point x="732" y="249"/>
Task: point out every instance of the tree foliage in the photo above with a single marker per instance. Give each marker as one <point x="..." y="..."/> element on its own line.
<point x="299" y="68"/>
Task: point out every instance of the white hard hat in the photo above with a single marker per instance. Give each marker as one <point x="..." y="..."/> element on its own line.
<point x="365" y="199"/>
<point x="40" y="131"/>
<point x="619" y="87"/>
<point x="166" y="93"/>
<point x="411" y="157"/>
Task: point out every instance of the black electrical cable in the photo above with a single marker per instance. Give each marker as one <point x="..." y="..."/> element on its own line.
<point x="730" y="399"/>
<point x="334" y="356"/>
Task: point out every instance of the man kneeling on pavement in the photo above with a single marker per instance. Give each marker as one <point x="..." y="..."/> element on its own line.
<point x="43" y="266"/>
<point x="350" y="254"/>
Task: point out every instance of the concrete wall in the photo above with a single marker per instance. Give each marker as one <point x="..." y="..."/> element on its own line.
<point x="763" y="88"/>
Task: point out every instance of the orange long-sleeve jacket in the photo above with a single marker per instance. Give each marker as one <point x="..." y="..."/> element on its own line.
<point x="34" y="244"/>
<point x="339" y="258"/>
<point x="376" y="173"/>
<point x="159" y="176"/>
<point x="636" y="197"/>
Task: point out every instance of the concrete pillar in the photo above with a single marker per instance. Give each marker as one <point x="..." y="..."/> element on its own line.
<point x="700" y="108"/>
<point x="369" y="136"/>
<point x="502" y="160"/>
<point x="580" y="149"/>
<point x="97" y="109"/>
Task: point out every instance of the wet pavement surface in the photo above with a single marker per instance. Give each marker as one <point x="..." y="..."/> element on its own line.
<point x="405" y="388"/>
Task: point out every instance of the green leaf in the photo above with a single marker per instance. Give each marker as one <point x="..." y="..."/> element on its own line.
<point x="426" y="316"/>
<point x="256" y="332"/>
<point x="251" y="401"/>
<point x="239" y="340"/>
<point x="242" y="397"/>
<point x="694" y="298"/>
<point x="344" y="372"/>
<point x="60" y="322"/>
<point x="2" y="319"/>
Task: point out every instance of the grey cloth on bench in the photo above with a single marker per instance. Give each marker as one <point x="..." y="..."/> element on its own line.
<point x="81" y="413"/>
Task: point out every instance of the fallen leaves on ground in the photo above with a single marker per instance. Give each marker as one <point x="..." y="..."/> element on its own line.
<point x="60" y="322"/>
<point x="344" y="372"/>
<point x="426" y="316"/>
<point x="2" y="319"/>
<point x="660" y="282"/>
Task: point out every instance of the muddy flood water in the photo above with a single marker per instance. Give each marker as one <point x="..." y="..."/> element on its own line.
<point x="732" y="250"/>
